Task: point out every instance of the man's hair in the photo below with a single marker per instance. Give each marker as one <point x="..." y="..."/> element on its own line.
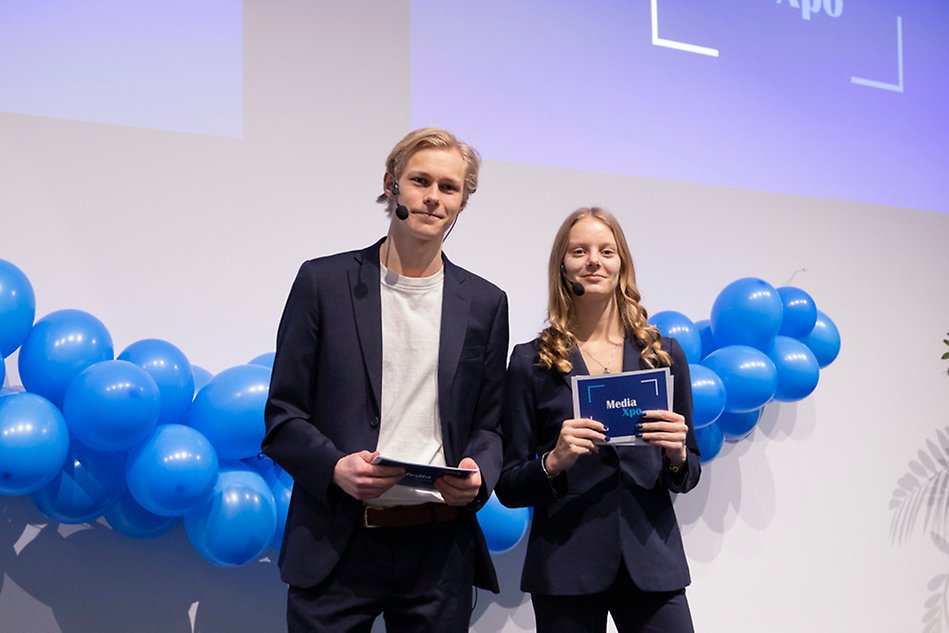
<point x="432" y="138"/>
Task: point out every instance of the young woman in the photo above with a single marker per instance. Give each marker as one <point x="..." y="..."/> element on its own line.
<point x="604" y="537"/>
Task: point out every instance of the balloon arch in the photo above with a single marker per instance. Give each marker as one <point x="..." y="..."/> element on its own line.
<point x="145" y="439"/>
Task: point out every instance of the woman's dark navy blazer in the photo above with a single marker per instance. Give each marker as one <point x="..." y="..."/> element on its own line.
<point x="610" y="508"/>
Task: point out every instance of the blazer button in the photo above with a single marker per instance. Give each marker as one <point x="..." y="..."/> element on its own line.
<point x="374" y="421"/>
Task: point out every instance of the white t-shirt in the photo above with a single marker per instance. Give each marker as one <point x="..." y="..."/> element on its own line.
<point x="410" y="428"/>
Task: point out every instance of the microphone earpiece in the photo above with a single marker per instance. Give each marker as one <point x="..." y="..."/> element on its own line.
<point x="575" y="286"/>
<point x="400" y="211"/>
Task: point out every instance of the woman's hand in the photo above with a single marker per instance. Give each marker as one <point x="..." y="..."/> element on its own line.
<point x="668" y="430"/>
<point x="577" y="437"/>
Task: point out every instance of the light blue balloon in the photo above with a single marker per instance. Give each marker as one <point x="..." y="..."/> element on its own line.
<point x="824" y="340"/>
<point x="229" y="410"/>
<point x="34" y="442"/>
<point x="282" y="494"/>
<point x="749" y="376"/>
<point x="17" y="308"/>
<point x="128" y="518"/>
<point x="237" y="522"/>
<point x="800" y="312"/>
<point x="737" y="426"/>
<point x="172" y="372"/>
<point x="59" y="346"/>
<point x="680" y="327"/>
<point x="708" y="396"/>
<point x="3" y="371"/>
<point x="503" y="527"/>
<point x="201" y="377"/>
<point x="112" y="405"/>
<point x="89" y="482"/>
<point x="709" y="344"/>
<point x="797" y="367"/>
<point x="709" y="440"/>
<point x="747" y="312"/>
<point x="264" y="360"/>
<point x="172" y="471"/>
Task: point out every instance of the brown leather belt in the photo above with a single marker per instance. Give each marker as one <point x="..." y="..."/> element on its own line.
<point x="407" y="516"/>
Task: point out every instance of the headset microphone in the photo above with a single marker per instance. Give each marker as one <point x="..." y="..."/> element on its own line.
<point x="400" y="211"/>
<point x="575" y="286"/>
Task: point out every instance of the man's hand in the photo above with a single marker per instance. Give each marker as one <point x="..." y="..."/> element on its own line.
<point x="360" y="478"/>
<point x="460" y="491"/>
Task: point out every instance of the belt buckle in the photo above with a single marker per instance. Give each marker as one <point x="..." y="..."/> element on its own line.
<point x="365" y="518"/>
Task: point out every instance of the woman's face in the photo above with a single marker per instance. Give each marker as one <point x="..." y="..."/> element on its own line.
<point x="592" y="258"/>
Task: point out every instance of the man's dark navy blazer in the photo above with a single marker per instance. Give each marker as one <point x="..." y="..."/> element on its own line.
<point x="325" y="400"/>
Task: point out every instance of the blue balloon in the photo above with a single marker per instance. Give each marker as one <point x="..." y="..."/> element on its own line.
<point x="709" y="344"/>
<point x="172" y="471"/>
<point x="89" y="482"/>
<point x="708" y="396"/>
<point x="797" y="367"/>
<point x="710" y="440"/>
<point x="503" y="527"/>
<point x="749" y="376"/>
<point x="824" y="340"/>
<point x="800" y="312"/>
<point x="112" y="405"/>
<point x="269" y="470"/>
<point x="201" y="377"/>
<point x="680" y="327"/>
<point x="236" y="523"/>
<point x="127" y="517"/>
<point x="171" y="370"/>
<point x="3" y="371"/>
<point x="229" y="410"/>
<point x="34" y="442"/>
<point x="747" y="312"/>
<point x="264" y="360"/>
<point x="736" y="426"/>
<point x="17" y="308"/>
<point x="59" y="346"/>
<point x="282" y="494"/>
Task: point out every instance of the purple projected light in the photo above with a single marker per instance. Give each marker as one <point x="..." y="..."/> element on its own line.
<point x="847" y="101"/>
<point x="166" y="64"/>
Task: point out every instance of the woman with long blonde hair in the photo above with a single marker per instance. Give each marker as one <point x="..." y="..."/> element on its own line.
<point x="604" y="536"/>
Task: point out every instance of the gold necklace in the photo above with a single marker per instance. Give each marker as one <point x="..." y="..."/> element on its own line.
<point x="605" y="366"/>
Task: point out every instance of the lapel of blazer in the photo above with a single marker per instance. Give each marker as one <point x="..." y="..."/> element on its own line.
<point x="367" y="309"/>
<point x="456" y="300"/>
<point x="631" y="358"/>
<point x="578" y="366"/>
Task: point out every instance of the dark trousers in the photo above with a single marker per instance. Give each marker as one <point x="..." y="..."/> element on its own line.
<point x="418" y="578"/>
<point x="633" y="610"/>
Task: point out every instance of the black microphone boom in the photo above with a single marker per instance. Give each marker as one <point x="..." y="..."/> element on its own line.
<point x="575" y="286"/>
<point x="400" y="211"/>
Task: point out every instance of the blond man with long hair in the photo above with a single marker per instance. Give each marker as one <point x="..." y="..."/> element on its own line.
<point x="604" y="536"/>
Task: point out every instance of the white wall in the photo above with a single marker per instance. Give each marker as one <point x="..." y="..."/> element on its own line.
<point x="195" y="239"/>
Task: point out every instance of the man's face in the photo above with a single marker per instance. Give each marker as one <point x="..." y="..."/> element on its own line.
<point x="431" y="188"/>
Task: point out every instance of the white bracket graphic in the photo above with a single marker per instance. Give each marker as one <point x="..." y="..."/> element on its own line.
<point x="680" y="46"/>
<point x="655" y="382"/>
<point x="882" y="85"/>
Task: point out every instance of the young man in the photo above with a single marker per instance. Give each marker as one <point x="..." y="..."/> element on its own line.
<point x="390" y="351"/>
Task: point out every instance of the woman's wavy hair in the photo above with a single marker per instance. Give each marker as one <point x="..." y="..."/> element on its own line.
<point x="558" y="340"/>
